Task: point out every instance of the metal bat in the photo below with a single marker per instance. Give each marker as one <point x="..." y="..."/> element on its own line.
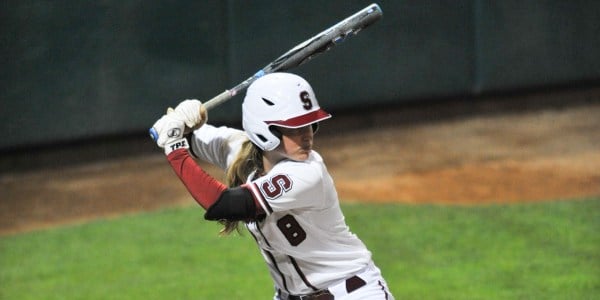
<point x="307" y="50"/>
<point x="303" y="52"/>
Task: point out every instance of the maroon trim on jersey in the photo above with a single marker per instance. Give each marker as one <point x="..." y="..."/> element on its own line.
<point x="259" y="208"/>
<point x="274" y="262"/>
<point x="297" y="268"/>
<point x="272" y="258"/>
<point x="383" y="289"/>
<point x="303" y="120"/>
<point x="270" y="255"/>
<point x="259" y="197"/>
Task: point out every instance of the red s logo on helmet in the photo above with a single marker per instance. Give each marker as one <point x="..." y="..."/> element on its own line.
<point x="306" y="101"/>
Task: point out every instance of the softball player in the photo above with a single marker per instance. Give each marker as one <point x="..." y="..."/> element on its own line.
<point x="278" y="186"/>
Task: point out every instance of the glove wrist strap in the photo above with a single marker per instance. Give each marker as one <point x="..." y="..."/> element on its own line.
<point x="177" y="144"/>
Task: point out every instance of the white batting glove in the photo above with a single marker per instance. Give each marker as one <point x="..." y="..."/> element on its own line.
<point x="191" y="112"/>
<point x="168" y="133"/>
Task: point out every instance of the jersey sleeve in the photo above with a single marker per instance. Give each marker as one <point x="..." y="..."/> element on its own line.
<point x="216" y="145"/>
<point x="220" y="202"/>
<point x="290" y="185"/>
<point x="203" y="187"/>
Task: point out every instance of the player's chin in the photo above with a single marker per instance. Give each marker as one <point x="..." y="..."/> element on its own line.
<point x="302" y="155"/>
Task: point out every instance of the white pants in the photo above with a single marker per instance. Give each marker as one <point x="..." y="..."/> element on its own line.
<point x="375" y="288"/>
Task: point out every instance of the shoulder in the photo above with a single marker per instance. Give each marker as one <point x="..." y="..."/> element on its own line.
<point x="294" y="184"/>
<point x="312" y="167"/>
<point x="300" y="176"/>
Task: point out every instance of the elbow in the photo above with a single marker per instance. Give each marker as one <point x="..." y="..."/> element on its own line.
<point x="234" y="204"/>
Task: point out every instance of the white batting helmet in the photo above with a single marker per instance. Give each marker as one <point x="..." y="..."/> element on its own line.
<point x="278" y="99"/>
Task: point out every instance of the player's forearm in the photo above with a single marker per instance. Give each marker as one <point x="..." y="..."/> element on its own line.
<point x="204" y="188"/>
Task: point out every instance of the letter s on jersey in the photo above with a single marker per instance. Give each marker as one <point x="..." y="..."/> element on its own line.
<point x="276" y="186"/>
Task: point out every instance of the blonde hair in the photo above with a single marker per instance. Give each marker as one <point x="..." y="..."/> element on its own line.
<point x="248" y="160"/>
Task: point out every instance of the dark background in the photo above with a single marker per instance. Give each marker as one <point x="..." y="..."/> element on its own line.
<point x="94" y="71"/>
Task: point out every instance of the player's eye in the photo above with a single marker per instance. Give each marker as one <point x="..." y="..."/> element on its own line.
<point x="295" y="131"/>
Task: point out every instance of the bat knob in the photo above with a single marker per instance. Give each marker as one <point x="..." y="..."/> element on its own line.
<point x="153" y="134"/>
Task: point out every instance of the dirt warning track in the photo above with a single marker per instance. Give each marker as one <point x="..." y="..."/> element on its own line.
<point x="538" y="147"/>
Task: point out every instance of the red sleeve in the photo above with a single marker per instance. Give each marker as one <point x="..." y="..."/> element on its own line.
<point x="204" y="188"/>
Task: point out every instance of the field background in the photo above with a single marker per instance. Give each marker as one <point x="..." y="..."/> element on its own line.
<point x="440" y="193"/>
<point x="519" y="251"/>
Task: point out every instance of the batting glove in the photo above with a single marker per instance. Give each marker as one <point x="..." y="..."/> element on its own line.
<point x="191" y="112"/>
<point x="168" y="133"/>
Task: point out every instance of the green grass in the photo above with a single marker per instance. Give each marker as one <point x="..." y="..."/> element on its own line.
<point x="528" y="251"/>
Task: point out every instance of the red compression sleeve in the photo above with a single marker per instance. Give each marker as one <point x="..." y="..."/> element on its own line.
<point x="203" y="187"/>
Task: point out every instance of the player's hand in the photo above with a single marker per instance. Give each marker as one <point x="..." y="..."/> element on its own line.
<point x="168" y="133"/>
<point x="191" y="112"/>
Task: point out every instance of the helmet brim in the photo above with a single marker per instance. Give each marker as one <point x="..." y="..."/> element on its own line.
<point x="303" y="120"/>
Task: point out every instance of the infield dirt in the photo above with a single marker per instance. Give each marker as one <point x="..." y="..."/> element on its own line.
<point x="504" y="149"/>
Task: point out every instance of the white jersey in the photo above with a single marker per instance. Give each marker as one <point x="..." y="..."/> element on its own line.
<point x="303" y="238"/>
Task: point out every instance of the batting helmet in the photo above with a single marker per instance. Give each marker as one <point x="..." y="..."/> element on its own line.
<point x="278" y="99"/>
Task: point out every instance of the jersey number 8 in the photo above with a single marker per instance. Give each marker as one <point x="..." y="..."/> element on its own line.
<point x="291" y="229"/>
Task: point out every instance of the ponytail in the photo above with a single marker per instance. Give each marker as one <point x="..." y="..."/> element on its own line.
<point x="248" y="160"/>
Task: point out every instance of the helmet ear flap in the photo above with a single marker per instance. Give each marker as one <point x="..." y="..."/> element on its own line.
<point x="315" y="127"/>
<point x="276" y="132"/>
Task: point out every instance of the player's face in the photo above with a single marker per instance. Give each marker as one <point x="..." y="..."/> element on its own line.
<point x="296" y="143"/>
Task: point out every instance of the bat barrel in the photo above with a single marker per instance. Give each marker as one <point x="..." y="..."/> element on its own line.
<point x="325" y="40"/>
